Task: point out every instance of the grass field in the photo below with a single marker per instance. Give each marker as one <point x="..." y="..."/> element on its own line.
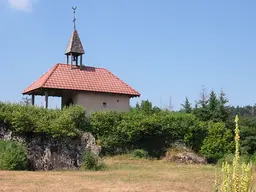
<point x="123" y="174"/>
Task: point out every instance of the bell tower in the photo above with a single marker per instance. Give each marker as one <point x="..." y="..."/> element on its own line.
<point x="75" y="50"/>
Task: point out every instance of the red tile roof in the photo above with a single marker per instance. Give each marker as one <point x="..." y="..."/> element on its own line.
<point x="61" y="76"/>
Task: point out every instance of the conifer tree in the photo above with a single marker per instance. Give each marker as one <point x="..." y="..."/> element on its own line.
<point x="222" y="108"/>
<point x="186" y="107"/>
<point x="213" y="107"/>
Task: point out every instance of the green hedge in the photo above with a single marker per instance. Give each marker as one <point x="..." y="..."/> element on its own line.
<point x="121" y="132"/>
<point x="144" y="127"/>
<point x="22" y="119"/>
<point x="156" y="132"/>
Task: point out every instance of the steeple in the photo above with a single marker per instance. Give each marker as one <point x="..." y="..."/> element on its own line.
<point x="75" y="48"/>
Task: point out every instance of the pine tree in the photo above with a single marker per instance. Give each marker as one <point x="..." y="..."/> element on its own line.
<point x="213" y="107"/>
<point x="186" y="107"/>
<point x="223" y="110"/>
<point x="201" y="110"/>
<point x="204" y="97"/>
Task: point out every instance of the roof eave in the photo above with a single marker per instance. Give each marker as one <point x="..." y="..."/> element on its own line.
<point x="30" y="92"/>
<point x="136" y="95"/>
<point x="74" y="53"/>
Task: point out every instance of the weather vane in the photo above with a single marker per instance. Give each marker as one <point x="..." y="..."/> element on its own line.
<point x="74" y="20"/>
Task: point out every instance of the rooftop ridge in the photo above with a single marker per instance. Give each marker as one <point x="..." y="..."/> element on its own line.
<point x="86" y="66"/>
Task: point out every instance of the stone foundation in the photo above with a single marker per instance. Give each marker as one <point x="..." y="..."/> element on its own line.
<point x="48" y="153"/>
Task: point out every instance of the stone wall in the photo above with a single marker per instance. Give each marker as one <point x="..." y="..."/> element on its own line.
<point x="48" y="153"/>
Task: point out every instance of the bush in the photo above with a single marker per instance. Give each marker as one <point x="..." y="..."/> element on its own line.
<point x="70" y="121"/>
<point x="13" y="156"/>
<point x="91" y="161"/>
<point x="244" y="158"/>
<point x="227" y="158"/>
<point x="218" y="142"/>
<point x="195" y="135"/>
<point x="121" y="132"/>
<point x="106" y="128"/>
<point x="249" y="159"/>
<point x="140" y="154"/>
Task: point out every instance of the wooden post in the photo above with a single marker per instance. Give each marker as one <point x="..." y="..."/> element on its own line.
<point x="33" y="99"/>
<point x="76" y="60"/>
<point x="81" y="62"/>
<point x="71" y="62"/>
<point x="46" y="100"/>
<point x="61" y="102"/>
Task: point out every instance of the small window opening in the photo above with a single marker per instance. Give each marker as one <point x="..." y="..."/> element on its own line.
<point x="117" y="100"/>
<point x="69" y="102"/>
<point x="104" y="104"/>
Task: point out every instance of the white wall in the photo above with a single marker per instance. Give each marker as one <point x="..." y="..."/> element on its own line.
<point x="94" y="101"/>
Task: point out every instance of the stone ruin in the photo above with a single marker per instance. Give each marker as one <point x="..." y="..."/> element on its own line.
<point x="48" y="153"/>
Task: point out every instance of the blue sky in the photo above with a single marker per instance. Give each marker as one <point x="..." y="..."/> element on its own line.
<point x="163" y="49"/>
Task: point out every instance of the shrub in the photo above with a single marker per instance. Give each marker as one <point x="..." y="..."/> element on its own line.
<point x="22" y="121"/>
<point x="248" y="138"/>
<point x="226" y="158"/>
<point x="71" y="121"/>
<point x="140" y="154"/>
<point x="252" y="158"/>
<point x="91" y="161"/>
<point x="154" y="132"/>
<point x="195" y="135"/>
<point x="218" y="142"/>
<point x="13" y="156"/>
<point x="26" y="118"/>
<point x="106" y="128"/>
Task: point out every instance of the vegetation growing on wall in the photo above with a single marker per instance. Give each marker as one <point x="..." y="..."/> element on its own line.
<point x="25" y="119"/>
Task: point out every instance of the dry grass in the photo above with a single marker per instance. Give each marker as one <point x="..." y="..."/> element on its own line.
<point x="123" y="174"/>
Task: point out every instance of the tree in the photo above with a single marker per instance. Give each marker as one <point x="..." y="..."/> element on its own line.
<point x="223" y="110"/>
<point x="248" y="135"/>
<point x="146" y="107"/>
<point x="204" y="97"/>
<point x="170" y="107"/>
<point x="196" y="104"/>
<point x="213" y="107"/>
<point x="26" y="101"/>
<point x="218" y="142"/>
<point x="186" y="107"/>
<point x="201" y="111"/>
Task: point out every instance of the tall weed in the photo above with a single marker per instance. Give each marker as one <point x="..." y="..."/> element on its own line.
<point x="236" y="177"/>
